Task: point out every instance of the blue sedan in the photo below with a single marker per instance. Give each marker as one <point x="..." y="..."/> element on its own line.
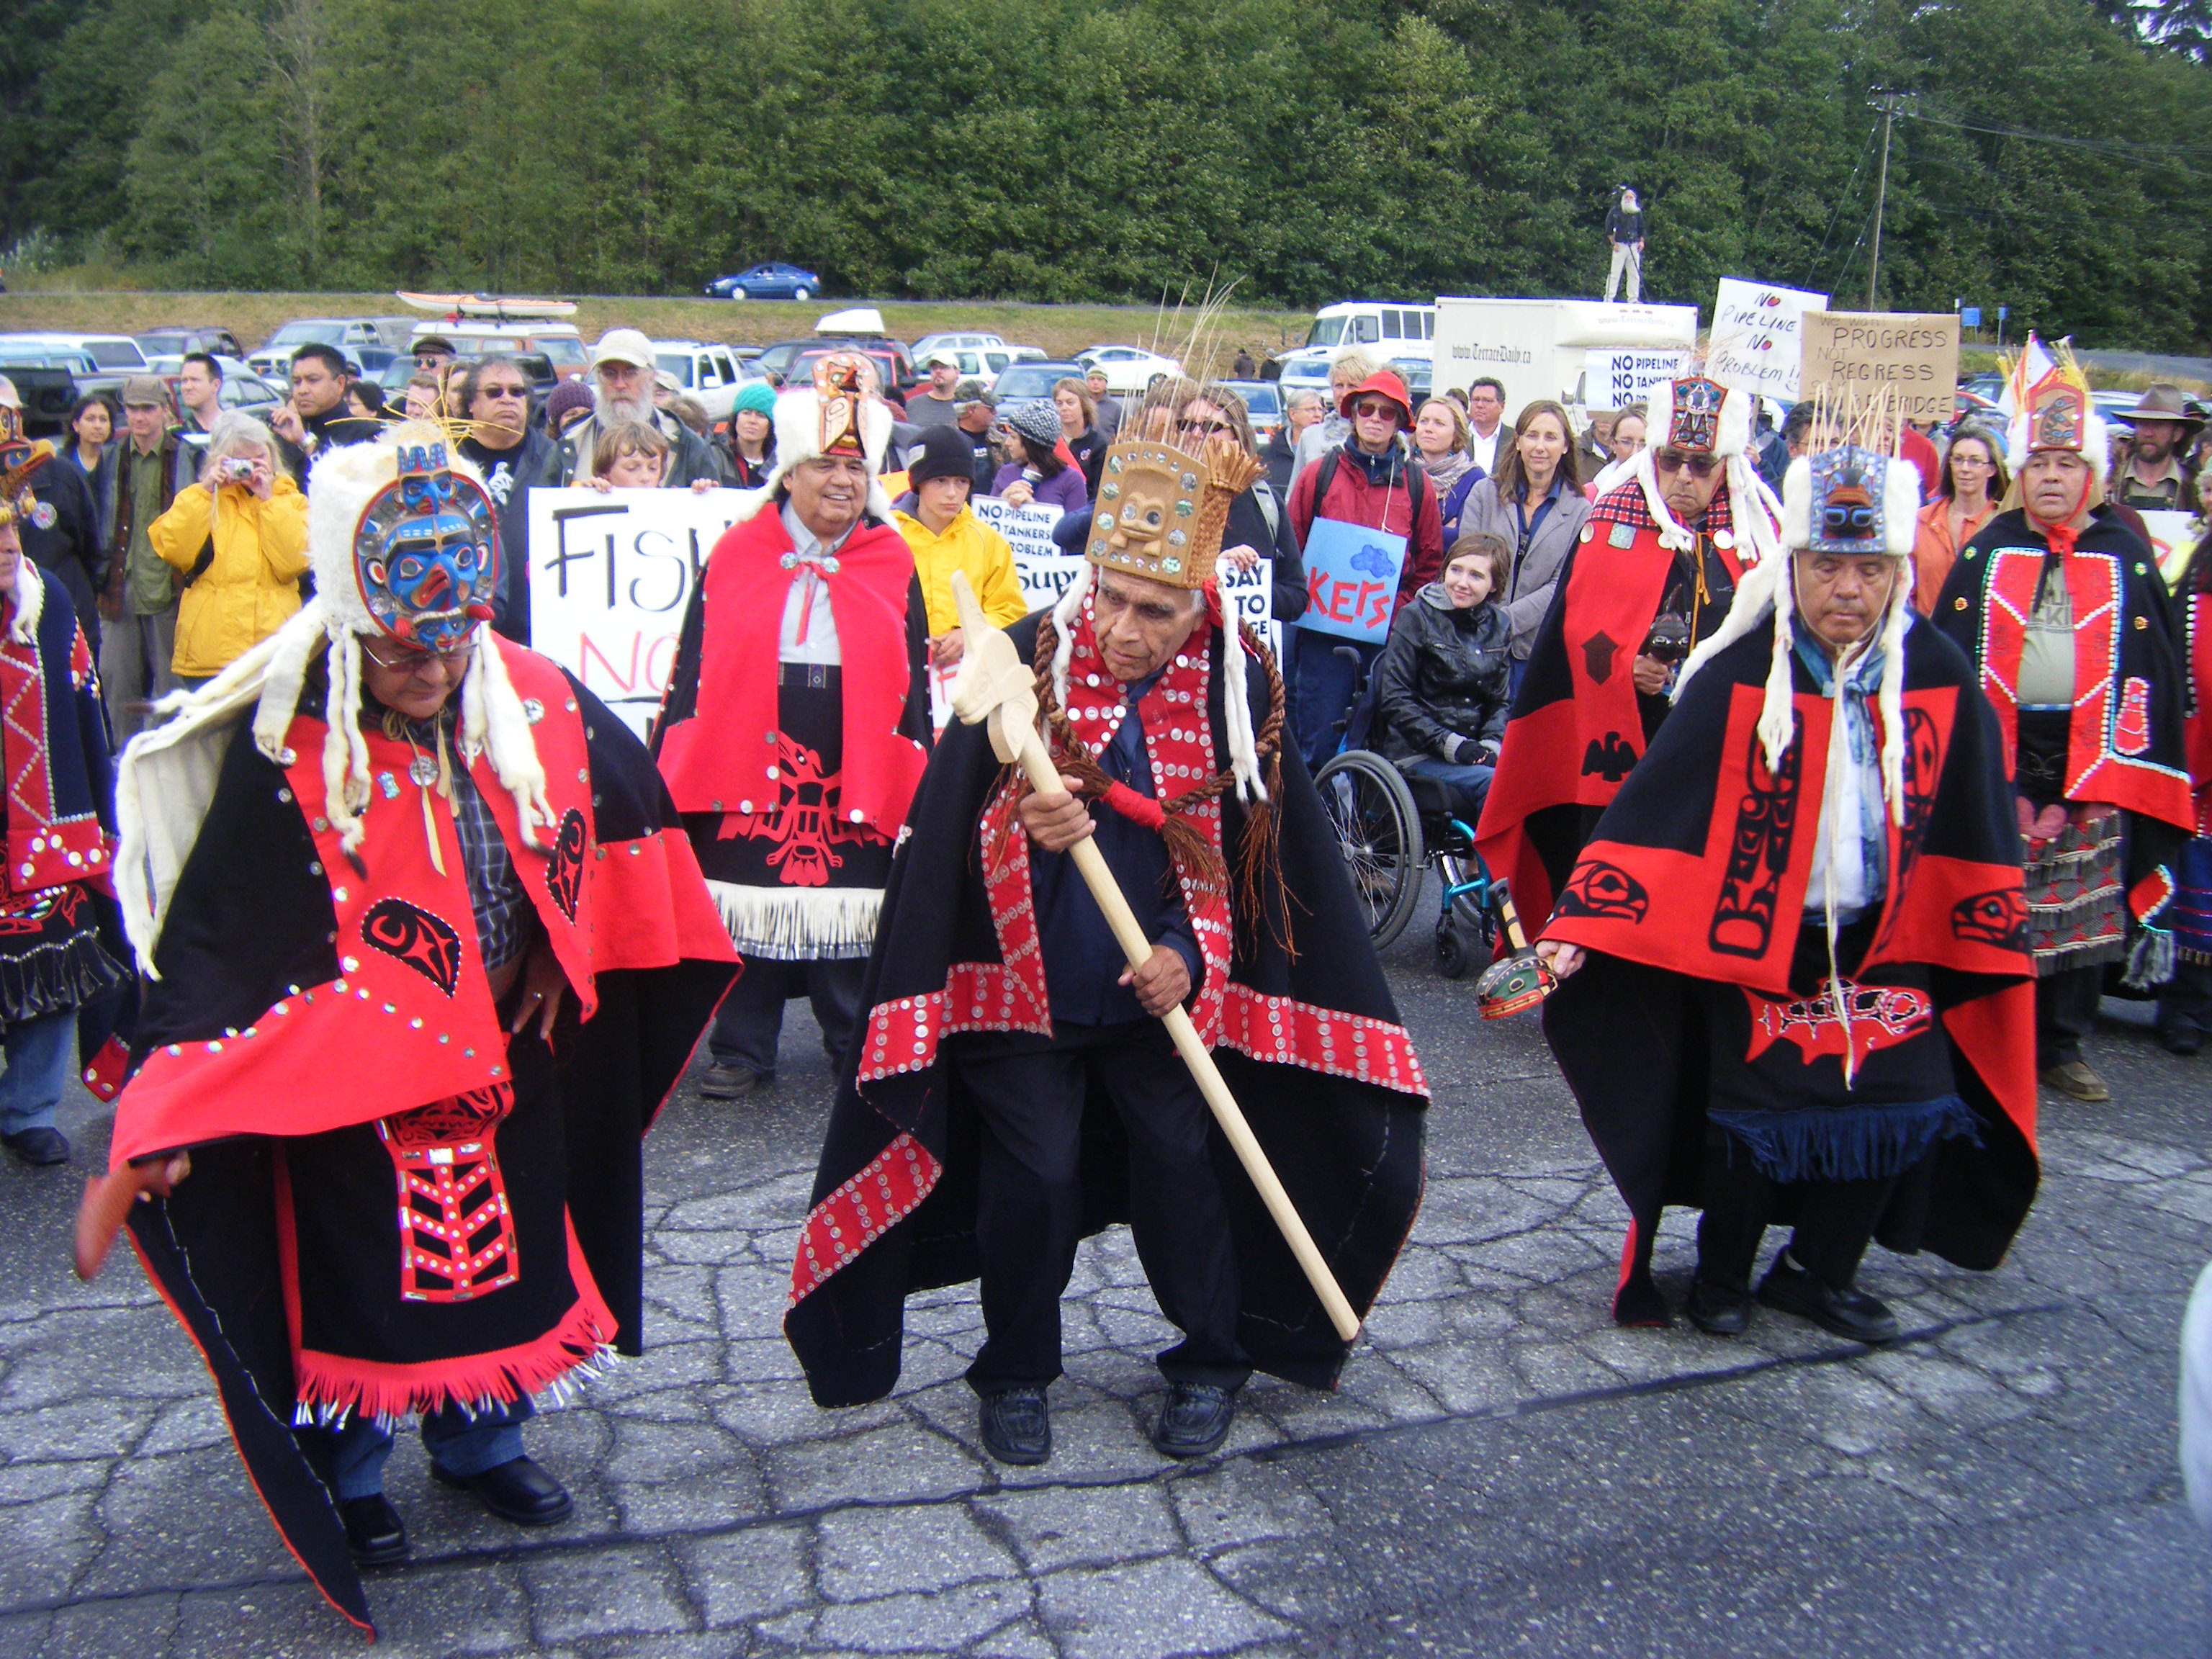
<point x="772" y="281"/>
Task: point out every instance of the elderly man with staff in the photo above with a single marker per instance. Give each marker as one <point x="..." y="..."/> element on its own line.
<point x="1132" y="900"/>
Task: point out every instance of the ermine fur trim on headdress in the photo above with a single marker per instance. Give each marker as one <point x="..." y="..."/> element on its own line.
<point x="1751" y="503"/>
<point x="797" y="421"/>
<point x="30" y="601"/>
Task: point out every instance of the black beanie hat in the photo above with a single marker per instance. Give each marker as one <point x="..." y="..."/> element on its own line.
<point x="946" y="453"/>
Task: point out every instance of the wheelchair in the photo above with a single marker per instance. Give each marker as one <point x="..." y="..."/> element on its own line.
<point x="1391" y="830"/>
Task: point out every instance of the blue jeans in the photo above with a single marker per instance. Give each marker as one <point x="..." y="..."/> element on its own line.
<point x="1324" y="686"/>
<point x="458" y="1444"/>
<point x="39" y="1055"/>
<point x="1465" y="786"/>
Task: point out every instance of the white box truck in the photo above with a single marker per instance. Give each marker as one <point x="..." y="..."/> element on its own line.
<point x="1539" y="348"/>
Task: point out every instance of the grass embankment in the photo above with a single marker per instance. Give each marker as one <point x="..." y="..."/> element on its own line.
<point x="253" y="318"/>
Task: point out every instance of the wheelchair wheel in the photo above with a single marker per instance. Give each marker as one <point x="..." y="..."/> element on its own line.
<point x="1453" y="958"/>
<point x="1380" y="835"/>
<point x="1477" y="911"/>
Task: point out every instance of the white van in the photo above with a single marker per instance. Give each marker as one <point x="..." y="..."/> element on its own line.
<point x="1391" y="328"/>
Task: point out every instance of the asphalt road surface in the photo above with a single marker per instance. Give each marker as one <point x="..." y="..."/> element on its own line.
<point x="1502" y="1473"/>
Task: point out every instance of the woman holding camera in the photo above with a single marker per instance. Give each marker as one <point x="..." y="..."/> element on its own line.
<point x="239" y="540"/>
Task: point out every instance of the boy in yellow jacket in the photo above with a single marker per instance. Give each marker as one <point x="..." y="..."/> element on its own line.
<point x="946" y="537"/>
<point x="250" y="521"/>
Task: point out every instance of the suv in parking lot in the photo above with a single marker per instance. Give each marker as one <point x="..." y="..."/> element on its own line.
<point x="183" y="342"/>
<point x="368" y="343"/>
<point x="704" y="371"/>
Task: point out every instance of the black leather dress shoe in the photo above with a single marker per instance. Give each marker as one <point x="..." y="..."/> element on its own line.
<point x="727" y="1082"/>
<point x="1719" y="1309"/>
<point x="40" y="1148"/>
<point x="1850" y="1314"/>
<point x="373" y="1530"/>
<point x="1017" y="1425"/>
<point x="2183" y="1040"/>
<point x="518" y="1490"/>
<point x="1194" y="1421"/>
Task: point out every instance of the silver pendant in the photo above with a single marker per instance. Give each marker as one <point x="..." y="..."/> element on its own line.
<point x="532" y="710"/>
<point x="423" y="770"/>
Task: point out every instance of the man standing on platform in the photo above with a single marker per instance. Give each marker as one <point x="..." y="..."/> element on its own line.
<point x="797" y="720"/>
<point x="1623" y="232"/>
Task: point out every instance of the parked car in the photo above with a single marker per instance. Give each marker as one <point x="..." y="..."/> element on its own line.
<point x="45" y="383"/>
<point x="362" y="338"/>
<point x="1263" y="401"/>
<point x="1019" y="382"/>
<point x="772" y="280"/>
<point x="975" y="361"/>
<point x="1970" y="405"/>
<point x="94" y="362"/>
<point x="889" y="357"/>
<point x="1306" y="374"/>
<point x="183" y="341"/>
<point x="1128" y="369"/>
<point x="929" y="343"/>
<point x="536" y="366"/>
<point x="1419" y="373"/>
<point x="1986" y="385"/>
<point x="704" y="371"/>
<point x="476" y="337"/>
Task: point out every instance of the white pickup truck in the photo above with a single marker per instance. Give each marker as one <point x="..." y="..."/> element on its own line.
<point x="705" y="371"/>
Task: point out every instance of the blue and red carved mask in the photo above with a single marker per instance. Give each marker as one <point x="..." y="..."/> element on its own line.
<point x="426" y="553"/>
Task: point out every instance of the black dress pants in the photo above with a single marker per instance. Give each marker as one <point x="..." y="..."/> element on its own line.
<point x="1835" y="1218"/>
<point x="750" y="1021"/>
<point x="2065" y="1011"/>
<point x="1030" y="1097"/>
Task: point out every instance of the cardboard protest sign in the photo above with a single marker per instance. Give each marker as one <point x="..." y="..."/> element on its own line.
<point x="1614" y="378"/>
<point x="1352" y="579"/>
<point x="1756" y="335"/>
<point x="1027" y="529"/>
<point x="1916" y="354"/>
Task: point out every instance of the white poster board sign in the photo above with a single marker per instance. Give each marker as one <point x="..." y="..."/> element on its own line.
<point x="611" y="575"/>
<point x="1615" y="377"/>
<point x="1027" y="529"/>
<point x="1756" y="338"/>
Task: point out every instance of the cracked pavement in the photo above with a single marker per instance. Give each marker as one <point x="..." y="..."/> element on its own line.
<point x="1503" y="1472"/>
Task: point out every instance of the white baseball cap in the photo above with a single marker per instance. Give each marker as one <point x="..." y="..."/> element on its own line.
<point x="624" y="345"/>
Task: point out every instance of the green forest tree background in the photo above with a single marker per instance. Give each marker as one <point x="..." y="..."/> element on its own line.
<point x="1075" y="149"/>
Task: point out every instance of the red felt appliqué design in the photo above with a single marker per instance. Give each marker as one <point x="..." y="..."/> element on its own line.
<point x="456" y="1231"/>
<point x="861" y="1210"/>
<point x="1882" y="1016"/>
<point x="2131" y="729"/>
<point x="803" y="821"/>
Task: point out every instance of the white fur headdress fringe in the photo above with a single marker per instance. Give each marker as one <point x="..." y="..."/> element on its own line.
<point x="166" y="777"/>
<point x="797" y="421"/>
<point x="1752" y="505"/>
<point x="30" y="601"/>
<point x="1236" y="704"/>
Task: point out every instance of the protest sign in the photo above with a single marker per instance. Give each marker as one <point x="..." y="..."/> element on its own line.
<point x="1027" y="529"/>
<point x="2173" y="536"/>
<point x="1917" y="353"/>
<point x="609" y="577"/>
<point x="1352" y="579"/>
<point x="1755" y="337"/>
<point x="1613" y="379"/>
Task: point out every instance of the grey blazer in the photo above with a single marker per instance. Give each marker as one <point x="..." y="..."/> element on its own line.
<point x="1528" y="593"/>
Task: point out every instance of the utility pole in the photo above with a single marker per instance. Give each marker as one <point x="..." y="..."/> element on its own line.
<point x="1891" y="104"/>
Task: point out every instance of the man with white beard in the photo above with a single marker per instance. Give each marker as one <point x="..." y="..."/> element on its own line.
<point x="622" y="368"/>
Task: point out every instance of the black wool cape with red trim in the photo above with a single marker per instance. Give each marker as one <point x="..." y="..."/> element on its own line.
<point x="894" y="1205"/>
<point x="298" y="997"/>
<point x="1699" y="871"/>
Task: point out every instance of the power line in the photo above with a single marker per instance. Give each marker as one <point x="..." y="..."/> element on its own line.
<point x="2158" y="155"/>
